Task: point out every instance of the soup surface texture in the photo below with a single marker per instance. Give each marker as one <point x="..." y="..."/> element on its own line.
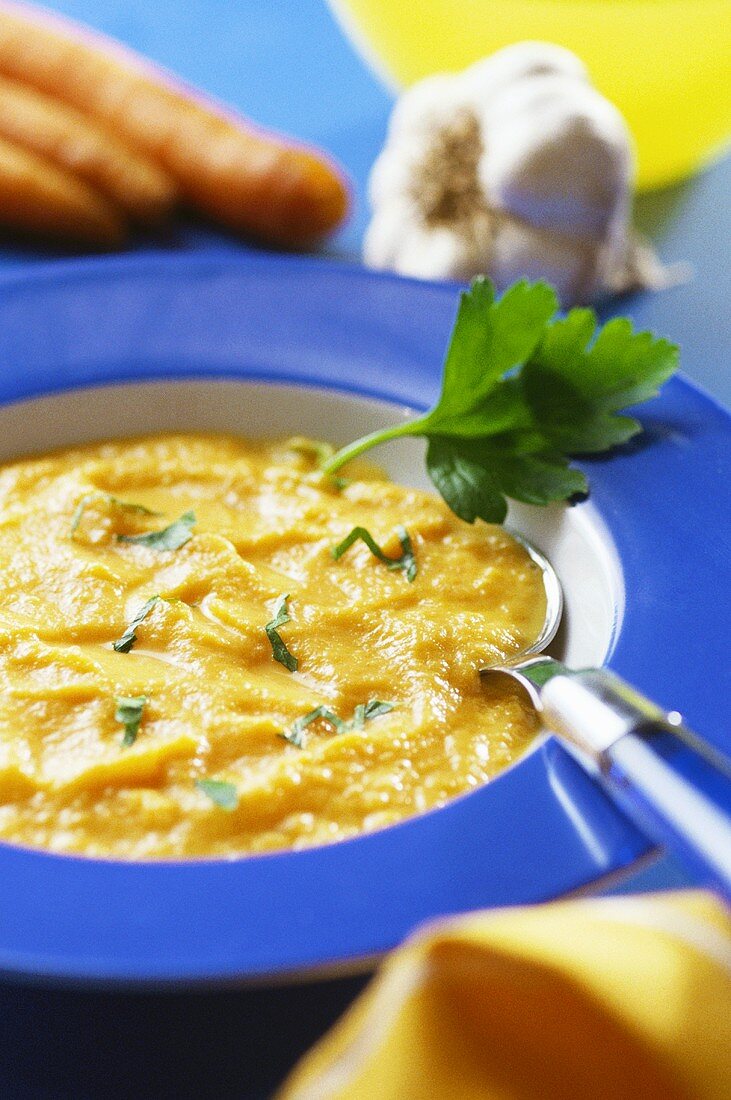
<point x="178" y="746"/>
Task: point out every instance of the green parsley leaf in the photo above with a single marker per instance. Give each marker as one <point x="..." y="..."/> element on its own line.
<point x="363" y="712"/>
<point x="171" y="537"/>
<point x="123" y="505"/>
<point x="406" y="562"/>
<point x="489" y="338"/>
<point x="223" y="794"/>
<point x="522" y="391"/>
<point x="473" y="477"/>
<point x="128" y="639"/>
<point x="575" y="390"/>
<point x="279" y="649"/>
<point x="129" y="713"/>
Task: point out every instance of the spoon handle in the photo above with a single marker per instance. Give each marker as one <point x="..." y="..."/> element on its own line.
<point x="678" y="797"/>
<point x="668" y="781"/>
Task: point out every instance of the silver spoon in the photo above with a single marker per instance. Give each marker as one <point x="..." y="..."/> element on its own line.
<point x="674" y="786"/>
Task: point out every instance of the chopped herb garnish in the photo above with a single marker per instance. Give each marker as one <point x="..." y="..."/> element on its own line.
<point x="129" y="713"/>
<point x="522" y="390"/>
<point x="316" y="448"/>
<point x="357" y="722"/>
<point x="130" y="506"/>
<point x="169" y="538"/>
<point x="279" y="649"/>
<point x="341" y="483"/>
<point x="128" y="639"/>
<point x="322" y="453"/>
<point x="123" y="505"/>
<point x="79" y="512"/>
<point x="406" y="562"/>
<point x="301" y="724"/>
<point x="223" y="794"/>
<point x="362" y="713"/>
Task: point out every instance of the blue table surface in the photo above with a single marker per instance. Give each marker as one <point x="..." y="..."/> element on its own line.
<point x="287" y="64"/>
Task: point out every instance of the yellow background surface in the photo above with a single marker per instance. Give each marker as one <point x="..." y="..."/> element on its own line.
<point x="665" y="63"/>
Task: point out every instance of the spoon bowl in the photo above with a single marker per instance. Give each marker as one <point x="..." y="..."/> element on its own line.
<point x="554" y="601"/>
<point x="674" y="786"/>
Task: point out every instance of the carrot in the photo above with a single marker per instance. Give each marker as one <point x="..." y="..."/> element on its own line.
<point x="70" y="140"/>
<point x="246" y="178"/>
<point x="38" y="197"/>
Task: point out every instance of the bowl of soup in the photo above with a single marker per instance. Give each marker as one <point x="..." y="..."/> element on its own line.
<point x="229" y="753"/>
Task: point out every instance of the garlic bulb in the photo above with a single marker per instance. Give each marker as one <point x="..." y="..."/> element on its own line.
<point x="515" y="167"/>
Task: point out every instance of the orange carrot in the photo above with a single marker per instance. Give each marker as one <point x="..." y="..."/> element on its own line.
<point x="38" y="197"/>
<point x="250" y="180"/>
<point x="70" y="140"/>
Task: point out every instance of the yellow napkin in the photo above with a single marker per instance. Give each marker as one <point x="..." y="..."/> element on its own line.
<point x="593" y="999"/>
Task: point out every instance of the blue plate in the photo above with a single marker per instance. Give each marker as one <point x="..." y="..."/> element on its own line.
<point x="539" y="830"/>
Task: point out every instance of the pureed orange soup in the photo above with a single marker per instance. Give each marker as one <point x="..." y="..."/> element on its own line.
<point x="203" y="733"/>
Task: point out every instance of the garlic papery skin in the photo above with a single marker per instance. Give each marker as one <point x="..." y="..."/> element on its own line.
<point x="515" y="167"/>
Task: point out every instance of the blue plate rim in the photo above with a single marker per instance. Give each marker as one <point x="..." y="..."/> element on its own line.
<point x="83" y="949"/>
<point x="90" y="268"/>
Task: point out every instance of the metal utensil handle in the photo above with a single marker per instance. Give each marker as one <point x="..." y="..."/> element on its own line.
<point x="668" y="781"/>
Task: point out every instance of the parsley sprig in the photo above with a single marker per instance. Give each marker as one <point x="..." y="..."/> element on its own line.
<point x="522" y="390"/>
<point x="279" y="649"/>
<point x="363" y="713"/>
<point x="406" y="561"/>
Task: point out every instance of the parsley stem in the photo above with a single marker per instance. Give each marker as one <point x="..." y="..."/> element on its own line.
<point x="352" y="450"/>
